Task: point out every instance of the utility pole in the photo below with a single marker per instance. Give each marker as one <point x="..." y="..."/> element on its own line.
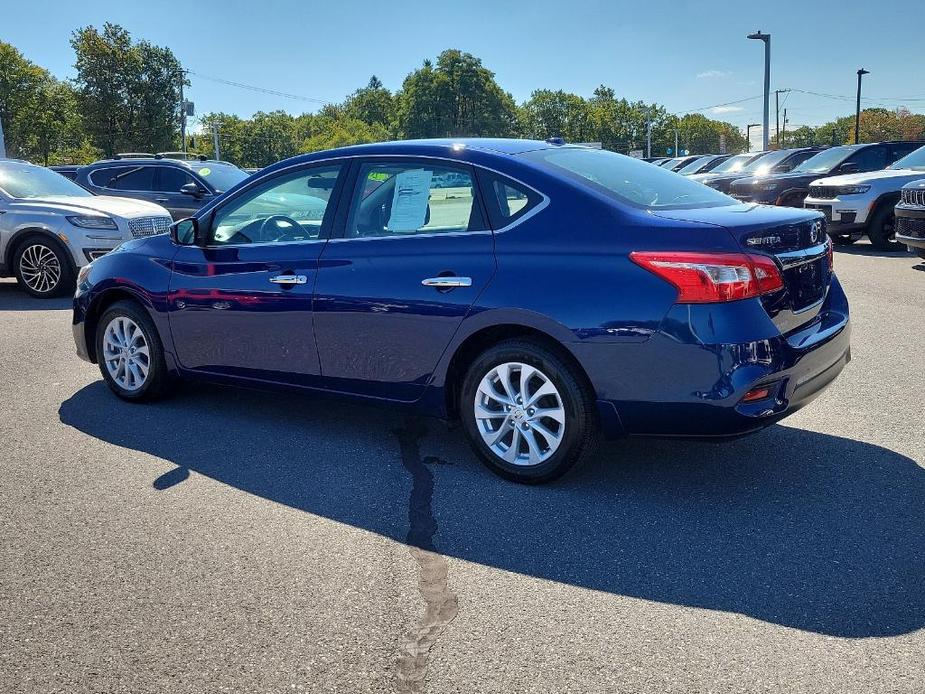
<point x="2" y="142"/>
<point x="777" y="93"/>
<point x="758" y="36"/>
<point x="783" y="133"/>
<point x="648" y="137"/>
<point x="748" y="134"/>
<point x="857" y="109"/>
<point x="182" y="113"/>
<point x="215" y="140"/>
<point x="676" y="152"/>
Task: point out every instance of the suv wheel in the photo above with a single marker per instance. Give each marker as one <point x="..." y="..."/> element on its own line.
<point x="527" y="413"/>
<point x="43" y="268"/>
<point x="130" y="354"/>
<point x="881" y="229"/>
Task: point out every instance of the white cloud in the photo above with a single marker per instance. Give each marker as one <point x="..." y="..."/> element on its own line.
<point x="726" y="109"/>
<point x="713" y="74"/>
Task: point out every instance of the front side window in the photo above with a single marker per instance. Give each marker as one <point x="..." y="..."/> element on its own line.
<point x="173" y="178"/>
<point x="21" y="180"/>
<point x="396" y="199"/>
<point x="629" y="180"/>
<point x="287" y="209"/>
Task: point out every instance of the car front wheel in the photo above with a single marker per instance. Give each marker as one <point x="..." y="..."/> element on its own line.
<point x="527" y="412"/>
<point x="130" y="354"/>
<point x="43" y="268"/>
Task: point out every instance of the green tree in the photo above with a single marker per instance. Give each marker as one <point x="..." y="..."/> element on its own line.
<point x="20" y="81"/>
<point x="556" y="114"/>
<point x="457" y="97"/>
<point x="128" y="94"/>
<point x="373" y="105"/>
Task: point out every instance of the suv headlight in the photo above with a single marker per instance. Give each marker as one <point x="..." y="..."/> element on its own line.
<point x="92" y="222"/>
<point x="852" y="190"/>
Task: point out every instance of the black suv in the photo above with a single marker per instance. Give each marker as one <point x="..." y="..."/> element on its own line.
<point x="182" y="186"/>
<point x="755" y="164"/>
<point x="790" y="189"/>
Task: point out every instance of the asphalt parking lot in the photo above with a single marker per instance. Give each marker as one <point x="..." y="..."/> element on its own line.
<point x="229" y="540"/>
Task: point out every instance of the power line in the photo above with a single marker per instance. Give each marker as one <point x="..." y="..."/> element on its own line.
<point x="727" y="103"/>
<point x="262" y="90"/>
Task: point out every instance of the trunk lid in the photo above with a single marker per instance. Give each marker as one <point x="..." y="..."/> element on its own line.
<point x="795" y="238"/>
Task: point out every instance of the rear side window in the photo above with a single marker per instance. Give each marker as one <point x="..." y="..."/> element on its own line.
<point x="507" y="200"/>
<point x="126" y="178"/>
<point x="406" y="198"/>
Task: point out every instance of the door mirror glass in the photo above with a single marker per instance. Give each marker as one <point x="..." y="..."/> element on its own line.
<point x="183" y="233"/>
<point x="191" y="189"/>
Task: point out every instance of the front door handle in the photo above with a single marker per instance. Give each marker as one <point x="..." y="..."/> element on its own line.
<point x="448" y="282"/>
<point x="289" y="279"/>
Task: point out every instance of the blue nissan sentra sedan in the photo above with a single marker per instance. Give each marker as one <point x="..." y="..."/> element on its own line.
<point x="543" y="294"/>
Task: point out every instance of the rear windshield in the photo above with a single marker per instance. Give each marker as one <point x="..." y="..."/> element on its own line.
<point x="628" y="180"/>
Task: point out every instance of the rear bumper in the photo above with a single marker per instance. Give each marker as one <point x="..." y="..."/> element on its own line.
<point x="678" y="384"/>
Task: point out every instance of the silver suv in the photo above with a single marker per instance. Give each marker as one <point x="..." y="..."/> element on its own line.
<point x="50" y="226"/>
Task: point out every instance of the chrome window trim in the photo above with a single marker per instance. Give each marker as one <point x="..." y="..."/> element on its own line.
<point x="539" y="207"/>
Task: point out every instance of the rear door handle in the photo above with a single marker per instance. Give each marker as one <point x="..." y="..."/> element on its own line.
<point x="289" y="279"/>
<point x="447" y="282"/>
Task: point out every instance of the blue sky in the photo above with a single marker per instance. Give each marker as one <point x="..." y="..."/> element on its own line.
<point x="685" y="55"/>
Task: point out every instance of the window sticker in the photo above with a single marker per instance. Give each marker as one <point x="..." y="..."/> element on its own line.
<point x="205" y="171"/>
<point x="409" y="201"/>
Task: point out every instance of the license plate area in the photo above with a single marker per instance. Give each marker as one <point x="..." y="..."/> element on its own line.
<point x="806" y="283"/>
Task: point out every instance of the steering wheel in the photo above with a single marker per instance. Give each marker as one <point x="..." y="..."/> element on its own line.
<point x="261" y="233"/>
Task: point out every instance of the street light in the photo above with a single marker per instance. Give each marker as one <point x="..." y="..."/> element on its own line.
<point x="758" y="36"/>
<point x="857" y="109"/>
<point x="748" y="134"/>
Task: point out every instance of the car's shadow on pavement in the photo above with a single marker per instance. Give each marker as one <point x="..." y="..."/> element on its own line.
<point x="12" y="298"/>
<point x="797" y="528"/>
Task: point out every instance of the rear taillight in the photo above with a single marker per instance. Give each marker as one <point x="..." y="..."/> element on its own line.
<point x="703" y="278"/>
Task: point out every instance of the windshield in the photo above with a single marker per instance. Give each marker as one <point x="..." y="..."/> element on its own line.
<point x="733" y="164"/>
<point x="22" y="180"/>
<point x="695" y="165"/>
<point x="628" y="180"/>
<point x="764" y="164"/>
<point x="221" y="176"/>
<point x="915" y="160"/>
<point x="826" y="160"/>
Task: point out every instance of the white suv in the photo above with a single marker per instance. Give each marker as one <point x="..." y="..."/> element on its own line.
<point x="862" y="203"/>
<point x="50" y="226"/>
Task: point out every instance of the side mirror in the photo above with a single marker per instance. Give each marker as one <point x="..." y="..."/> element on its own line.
<point x="184" y="232"/>
<point x="848" y="167"/>
<point x="192" y="189"/>
<point x="784" y="168"/>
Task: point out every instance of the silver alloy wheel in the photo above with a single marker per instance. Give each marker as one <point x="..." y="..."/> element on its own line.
<point x="519" y="413"/>
<point x="40" y="268"/>
<point x="125" y="353"/>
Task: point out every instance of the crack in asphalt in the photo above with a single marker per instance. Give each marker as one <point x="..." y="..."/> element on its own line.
<point x="440" y="603"/>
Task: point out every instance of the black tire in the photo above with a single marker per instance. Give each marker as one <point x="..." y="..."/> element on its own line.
<point x="582" y="428"/>
<point x="843" y="240"/>
<point x="881" y="229"/>
<point x="157" y="380"/>
<point x="52" y="258"/>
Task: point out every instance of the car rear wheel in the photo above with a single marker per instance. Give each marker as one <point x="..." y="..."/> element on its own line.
<point x="130" y="354"/>
<point x="881" y="229"/>
<point x="527" y="413"/>
<point x="43" y="268"/>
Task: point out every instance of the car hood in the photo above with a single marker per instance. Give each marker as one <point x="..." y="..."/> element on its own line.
<point x="789" y="178"/>
<point x="106" y="204"/>
<point x="884" y="174"/>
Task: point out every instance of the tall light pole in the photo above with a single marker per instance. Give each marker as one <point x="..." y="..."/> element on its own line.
<point x="857" y="108"/>
<point x="758" y="36"/>
<point x="748" y="134"/>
